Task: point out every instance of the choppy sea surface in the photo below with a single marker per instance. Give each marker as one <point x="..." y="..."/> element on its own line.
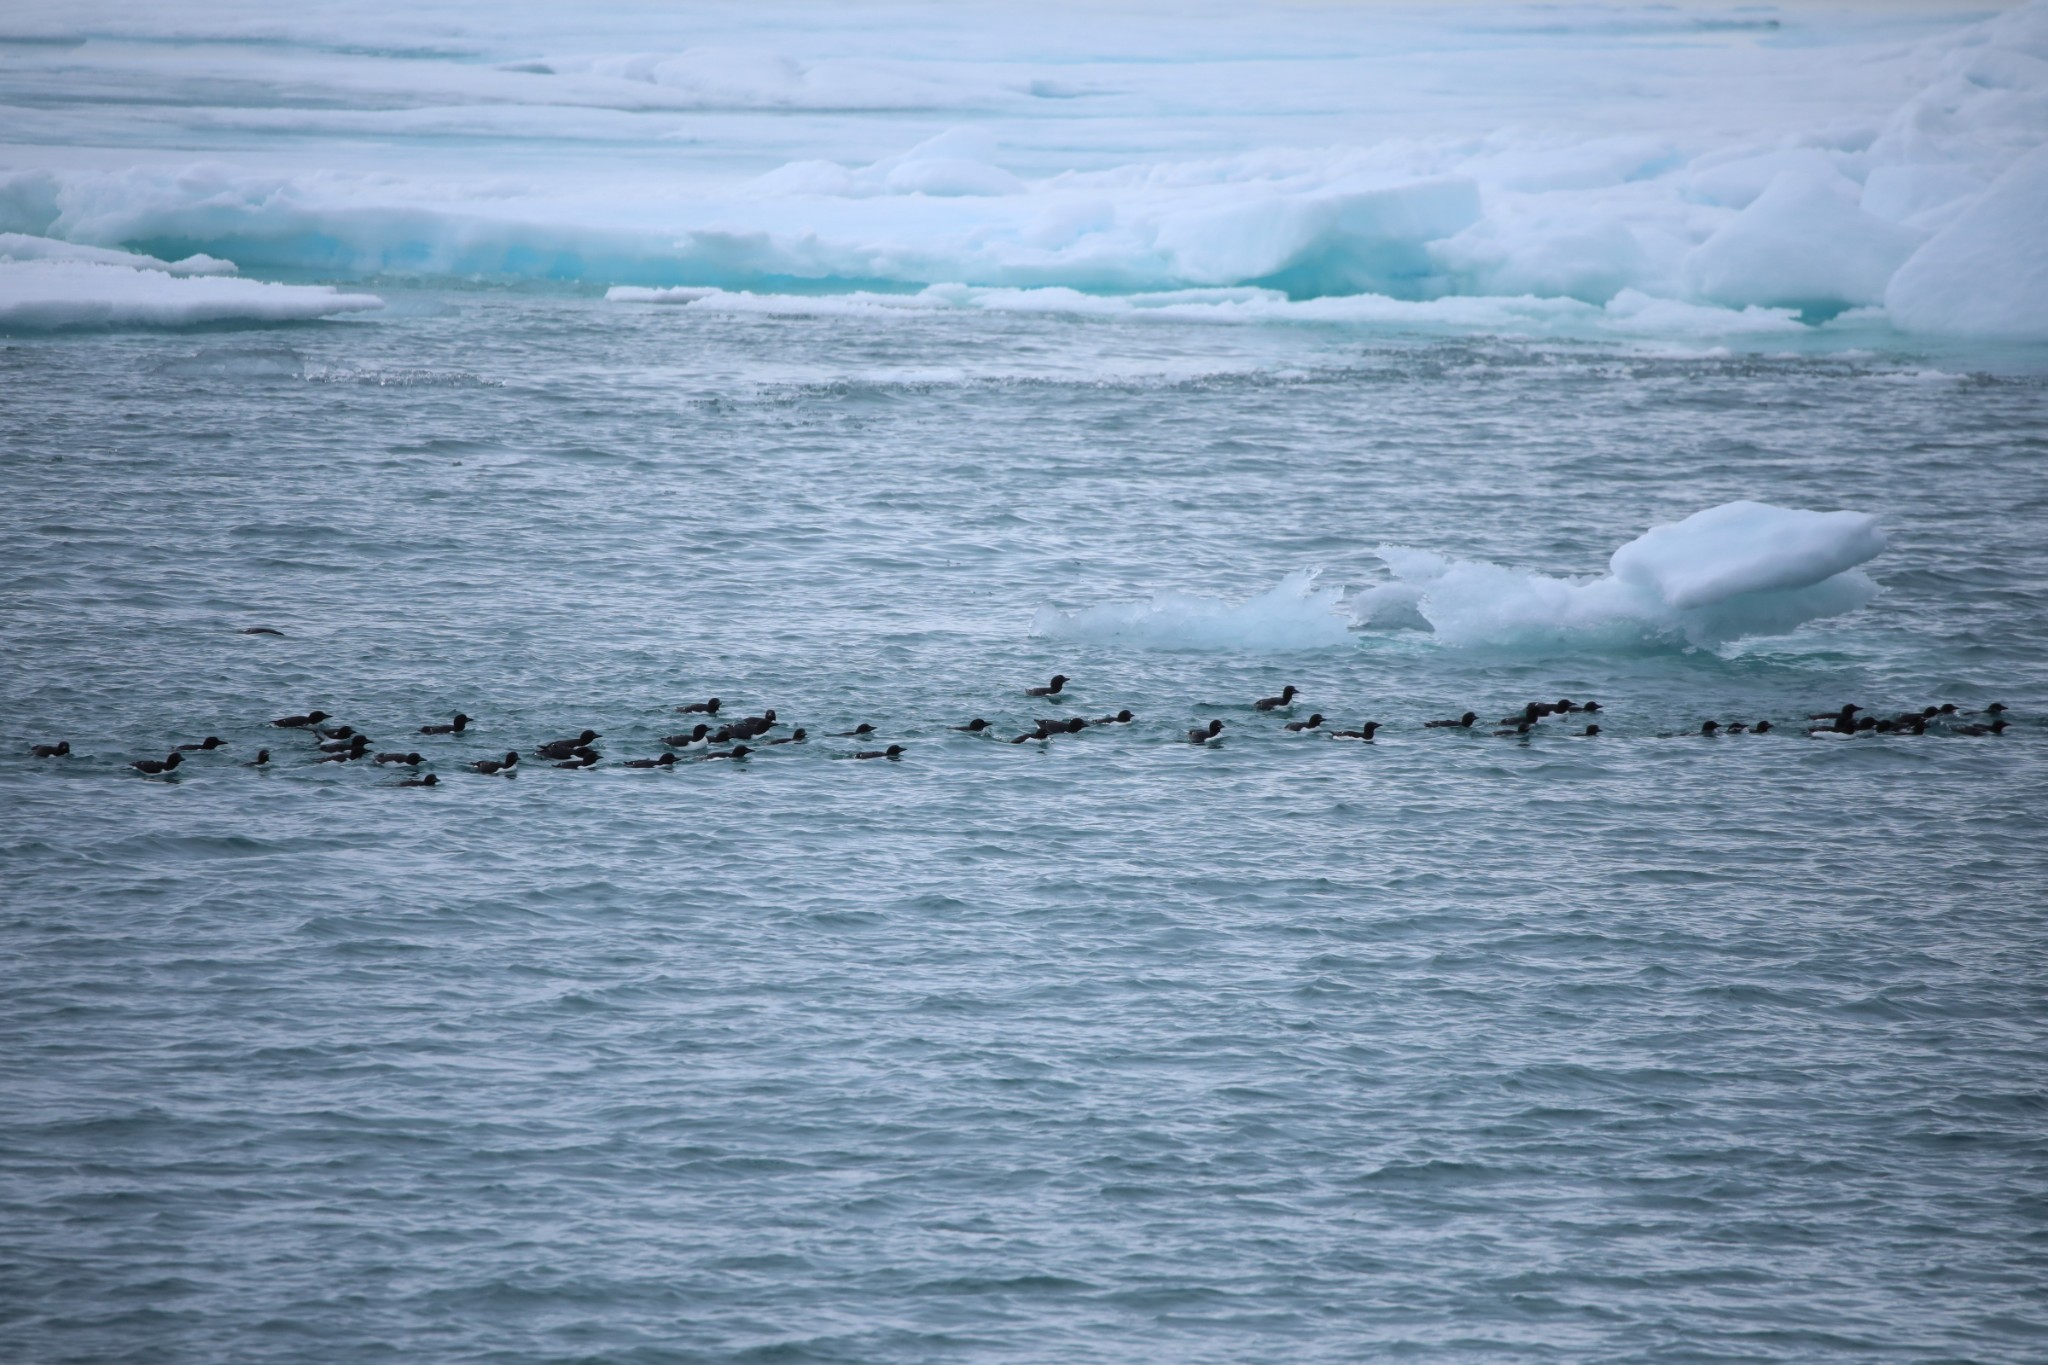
<point x="1112" y="1048"/>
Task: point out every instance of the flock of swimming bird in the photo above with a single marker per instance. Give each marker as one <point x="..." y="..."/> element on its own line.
<point x="750" y="734"/>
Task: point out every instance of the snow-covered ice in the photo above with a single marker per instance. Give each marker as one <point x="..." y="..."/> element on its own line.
<point x="1677" y="161"/>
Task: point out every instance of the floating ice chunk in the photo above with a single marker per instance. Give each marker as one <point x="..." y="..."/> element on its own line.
<point x="1801" y="244"/>
<point x="1986" y="273"/>
<point x="1738" y="570"/>
<point x="44" y="295"/>
<point x="19" y="246"/>
<point x="1745" y="547"/>
<point x="1293" y="614"/>
<point x="676" y="295"/>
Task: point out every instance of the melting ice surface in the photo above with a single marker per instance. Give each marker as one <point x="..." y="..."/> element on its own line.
<point x="1740" y="569"/>
<point x="1775" y="167"/>
<point x="1293" y="614"/>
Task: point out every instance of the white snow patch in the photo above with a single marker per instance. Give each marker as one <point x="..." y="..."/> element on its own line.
<point x="49" y="294"/>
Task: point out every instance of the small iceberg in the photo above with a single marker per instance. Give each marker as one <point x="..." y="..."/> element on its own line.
<point x="1738" y="570"/>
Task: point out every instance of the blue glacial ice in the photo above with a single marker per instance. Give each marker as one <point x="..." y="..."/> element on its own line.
<point x="1402" y="165"/>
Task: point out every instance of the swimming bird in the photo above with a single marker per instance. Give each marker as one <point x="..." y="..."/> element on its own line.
<point x="562" y="748"/>
<point x="1286" y="698"/>
<point x="1996" y="727"/>
<point x="1562" y="706"/>
<point x="262" y="759"/>
<point x="795" y="736"/>
<point x="1762" y="727"/>
<point x="1589" y="732"/>
<point x="1051" y="689"/>
<point x="1202" y="735"/>
<point x="1708" y="727"/>
<point x="736" y="751"/>
<point x="207" y="745"/>
<point x="347" y="755"/>
<point x="260" y="630"/>
<point x="1591" y="706"/>
<point x="300" y="722"/>
<point x="1297" y="726"/>
<point x="152" y="767"/>
<point x="856" y="732"/>
<point x="893" y="751"/>
<point x="453" y="727"/>
<point x="428" y="781"/>
<point x="1120" y="718"/>
<point x="746" y="728"/>
<point x="410" y="760"/>
<point x="1463" y="722"/>
<point x="667" y="760"/>
<point x="1734" y="727"/>
<point x="334" y="731"/>
<point x="336" y="746"/>
<point x="57" y="750"/>
<point x="1846" y="716"/>
<point x="700" y="708"/>
<point x="683" y="741"/>
<point x="973" y="727"/>
<point x="1364" y="732"/>
<point x="488" y="766"/>
<point x="581" y="757"/>
<point x="1531" y="713"/>
<point x="1521" y="728"/>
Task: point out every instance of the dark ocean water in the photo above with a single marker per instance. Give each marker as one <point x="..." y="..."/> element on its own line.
<point x="1453" y="1047"/>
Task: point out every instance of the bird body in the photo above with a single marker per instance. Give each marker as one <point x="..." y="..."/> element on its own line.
<point x="563" y="748"/>
<point x="1286" y="698"/>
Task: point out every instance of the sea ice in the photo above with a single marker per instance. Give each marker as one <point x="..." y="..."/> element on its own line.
<point x="43" y="295"/>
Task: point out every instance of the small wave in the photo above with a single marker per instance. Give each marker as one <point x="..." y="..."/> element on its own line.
<point x="1293" y="614"/>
